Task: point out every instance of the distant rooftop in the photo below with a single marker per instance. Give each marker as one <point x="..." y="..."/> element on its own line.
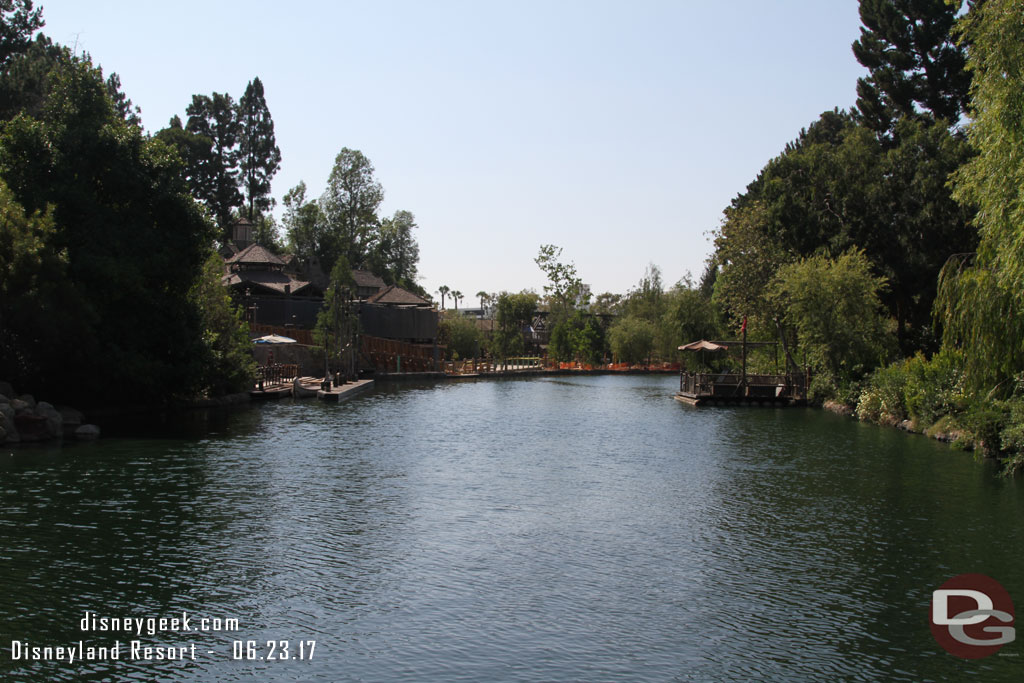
<point x="365" y="278"/>
<point x="254" y="254"/>
<point x="393" y="295"/>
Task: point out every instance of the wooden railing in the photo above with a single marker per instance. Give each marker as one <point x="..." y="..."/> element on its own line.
<point x="275" y="375"/>
<point x="468" y="367"/>
<point x="727" y="384"/>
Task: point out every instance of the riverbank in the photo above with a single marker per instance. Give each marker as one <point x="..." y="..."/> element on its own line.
<point x="43" y="422"/>
<point x="25" y="420"/>
<point x="943" y="430"/>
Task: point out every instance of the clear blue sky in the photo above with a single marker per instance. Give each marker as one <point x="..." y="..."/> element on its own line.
<point x="616" y="130"/>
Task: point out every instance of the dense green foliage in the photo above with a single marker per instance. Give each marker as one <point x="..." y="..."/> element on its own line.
<point x="838" y="187"/>
<point x="871" y="225"/>
<point x="213" y="121"/>
<point x="914" y="63"/>
<point x="834" y="307"/>
<point x="105" y="297"/>
<point x="259" y="157"/>
<point x="460" y="335"/>
<point x="230" y="154"/>
<point x="349" y="206"/>
<point x="395" y="254"/>
<point x="18" y="21"/>
<point x="651" y="322"/>
<point x="575" y="334"/>
<point x="514" y="315"/>
<point x="344" y="223"/>
<point x="981" y="305"/>
<point x="632" y="339"/>
<point x="227" y="363"/>
<point x="972" y="390"/>
<point x="337" y="325"/>
<point x="580" y="338"/>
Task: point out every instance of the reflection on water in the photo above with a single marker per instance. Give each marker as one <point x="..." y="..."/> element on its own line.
<point x="553" y="529"/>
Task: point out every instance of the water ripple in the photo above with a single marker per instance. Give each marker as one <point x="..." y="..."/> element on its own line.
<point x="556" y="529"/>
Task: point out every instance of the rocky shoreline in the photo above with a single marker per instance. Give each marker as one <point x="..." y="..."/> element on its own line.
<point x="940" y="431"/>
<point x="24" y="420"/>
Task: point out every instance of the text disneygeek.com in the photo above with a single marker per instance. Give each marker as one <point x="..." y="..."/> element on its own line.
<point x="131" y="645"/>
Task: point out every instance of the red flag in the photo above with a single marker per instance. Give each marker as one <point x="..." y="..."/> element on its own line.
<point x="744" y="328"/>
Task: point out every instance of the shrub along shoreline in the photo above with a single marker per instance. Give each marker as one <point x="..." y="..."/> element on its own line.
<point x="930" y="397"/>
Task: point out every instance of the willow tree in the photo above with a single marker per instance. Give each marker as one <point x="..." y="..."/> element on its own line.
<point x="980" y="302"/>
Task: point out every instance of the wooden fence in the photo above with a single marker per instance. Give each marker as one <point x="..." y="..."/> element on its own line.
<point x="391" y="355"/>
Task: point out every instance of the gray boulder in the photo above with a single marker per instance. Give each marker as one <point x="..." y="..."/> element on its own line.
<point x="20" y="406"/>
<point x="31" y="427"/>
<point x="54" y="420"/>
<point x="29" y="399"/>
<point x="7" y="423"/>
<point x="72" y="420"/>
<point x="87" y="432"/>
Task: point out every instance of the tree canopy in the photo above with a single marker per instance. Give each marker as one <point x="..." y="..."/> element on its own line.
<point x="18" y="21"/>
<point x="119" y="323"/>
<point x="259" y="155"/>
<point x="349" y="206"/>
<point x="981" y="305"/>
<point x="914" y="63"/>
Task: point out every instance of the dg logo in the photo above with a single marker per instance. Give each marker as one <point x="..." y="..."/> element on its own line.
<point x="972" y="616"/>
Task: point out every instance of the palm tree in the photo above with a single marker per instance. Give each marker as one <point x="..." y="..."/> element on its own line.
<point x="457" y="296"/>
<point x="484" y="298"/>
<point x="443" y="290"/>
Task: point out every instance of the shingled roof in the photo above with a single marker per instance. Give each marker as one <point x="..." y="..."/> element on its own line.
<point x="393" y="295"/>
<point x="365" y="278"/>
<point x="272" y="280"/>
<point x="254" y="254"/>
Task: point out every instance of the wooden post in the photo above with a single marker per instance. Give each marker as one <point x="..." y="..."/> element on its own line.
<point x="744" y="381"/>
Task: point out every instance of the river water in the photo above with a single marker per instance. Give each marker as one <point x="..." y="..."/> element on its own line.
<point x="554" y="529"/>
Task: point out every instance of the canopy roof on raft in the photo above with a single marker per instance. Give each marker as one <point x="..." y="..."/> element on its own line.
<point x="703" y="345"/>
<point x="273" y="339"/>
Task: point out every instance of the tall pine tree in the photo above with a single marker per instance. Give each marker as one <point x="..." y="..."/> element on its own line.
<point x="18" y="21"/>
<point x="214" y="118"/>
<point x="259" y="156"/>
<point x="914" y="63"/>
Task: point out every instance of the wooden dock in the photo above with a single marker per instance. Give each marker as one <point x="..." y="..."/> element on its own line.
<point x="345" y="391"/>
<point x="270" y="392"/>
<point x="723" y="388"/>
<point x="274" y="381"/>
